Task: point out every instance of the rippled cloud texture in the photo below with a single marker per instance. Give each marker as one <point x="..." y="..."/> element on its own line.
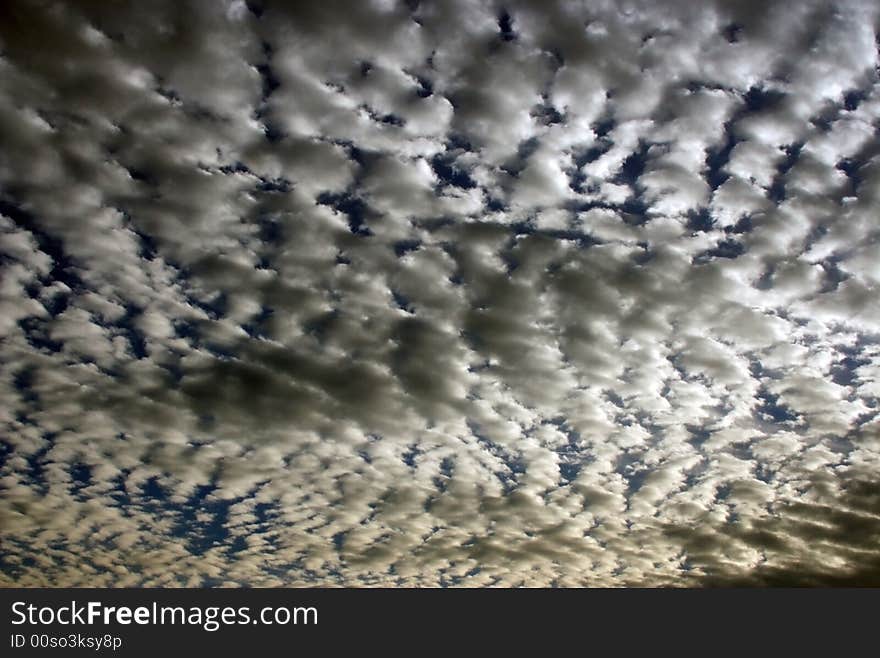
<point x="439" y="293"/>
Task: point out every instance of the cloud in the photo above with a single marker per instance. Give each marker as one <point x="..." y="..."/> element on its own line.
<point x="438" y="294"/>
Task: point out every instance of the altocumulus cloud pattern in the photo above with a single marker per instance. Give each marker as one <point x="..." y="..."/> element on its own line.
<point x="439" y="293"/>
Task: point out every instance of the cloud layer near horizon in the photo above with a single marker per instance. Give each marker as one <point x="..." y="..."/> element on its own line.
<point x="453" y="293"/>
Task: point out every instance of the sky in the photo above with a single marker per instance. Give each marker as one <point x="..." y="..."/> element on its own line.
<point x="439" y="293"/>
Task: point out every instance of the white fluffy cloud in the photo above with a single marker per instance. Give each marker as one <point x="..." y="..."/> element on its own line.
<point x="439" y="294"/>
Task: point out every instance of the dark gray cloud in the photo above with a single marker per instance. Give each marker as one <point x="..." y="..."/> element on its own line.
<point x="430" y="293"/>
